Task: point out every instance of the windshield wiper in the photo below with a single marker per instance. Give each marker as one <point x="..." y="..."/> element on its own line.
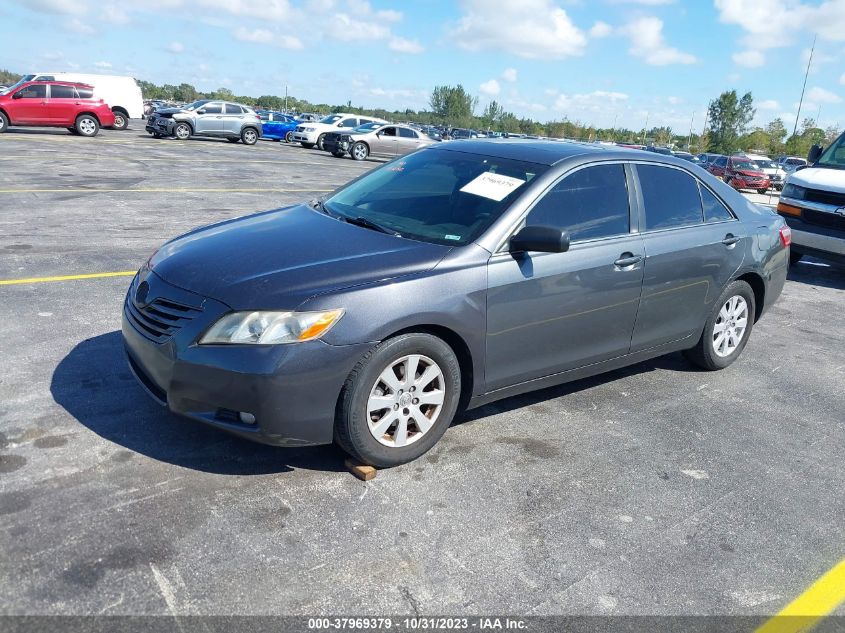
<point x="369" y="224"/>
<point x="317" y="203"/>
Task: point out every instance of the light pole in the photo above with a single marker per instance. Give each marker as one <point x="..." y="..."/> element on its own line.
<point x="645" y="129"/>
<point x="689" y="138"/>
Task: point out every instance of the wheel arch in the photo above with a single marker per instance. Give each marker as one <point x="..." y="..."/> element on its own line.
<point x="188" y="123"/>
<point x="91" y="114"/>
<point x="122" y="110"/>
<point x="758" y="286"/>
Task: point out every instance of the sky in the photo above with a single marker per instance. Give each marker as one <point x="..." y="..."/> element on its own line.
<point x="608" y="63"/>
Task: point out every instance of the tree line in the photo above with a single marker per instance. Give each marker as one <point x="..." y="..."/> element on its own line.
<point x="726" y="131"/>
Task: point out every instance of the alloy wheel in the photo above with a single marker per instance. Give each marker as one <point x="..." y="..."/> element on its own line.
<point x="87" y="127"/>
<point x="730" y="326"/>
<point x="406" y="400"/>
<point x="183" y="132"/>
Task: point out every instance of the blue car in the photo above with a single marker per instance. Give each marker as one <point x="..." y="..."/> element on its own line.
<point x="277" y="125"/>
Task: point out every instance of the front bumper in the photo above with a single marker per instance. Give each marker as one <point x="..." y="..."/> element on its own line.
<point x="160" y="126"/>
<point x="335" y="145"/>
<point x="819" y="230"/>
<point x="305" y="137"/>
<point x="291" y="390"/>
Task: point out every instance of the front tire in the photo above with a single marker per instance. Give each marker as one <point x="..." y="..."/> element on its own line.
<point x="320" y="140"/>
<point x="86" y="125"/>
<point x="182" y="131"/>
<point x="4" y="123"/>
<point x="360" y="151"/>
<point x="726" y="330"/>
<point x="399" y="400"/>
<point x="249" y="136"/>
<point x="121" y="121"/>
<point x="289" y="137"/>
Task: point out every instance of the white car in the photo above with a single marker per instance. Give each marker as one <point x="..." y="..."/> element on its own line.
<point x="791" y="163"/>
<point x="765" y="164"/>
<point x="122" y="94"/>
<point x="311" y="134"/>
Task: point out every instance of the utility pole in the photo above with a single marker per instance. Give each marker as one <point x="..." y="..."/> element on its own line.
<point x="806" y="74"/>
<point x="645" y="129"/>
<point x="689" y="139"/>
<point x="613" y="129"/>
<point x="286" y="98"/>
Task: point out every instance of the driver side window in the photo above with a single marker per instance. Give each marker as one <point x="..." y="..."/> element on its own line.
<point x="591" y="203"/>
<point x="213" y="108"/>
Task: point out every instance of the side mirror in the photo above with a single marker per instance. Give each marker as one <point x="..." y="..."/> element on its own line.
<point x="541" y="239"/>
<point x="814" y="154"/>
<point x="17" y="95"/>
<point x="201" y="111"/>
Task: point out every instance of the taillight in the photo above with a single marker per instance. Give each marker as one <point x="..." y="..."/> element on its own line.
<point x="785" y="236"/>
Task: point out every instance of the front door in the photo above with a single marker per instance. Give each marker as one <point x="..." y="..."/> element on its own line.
<point x="29" y="106"/>
<point x="210" y="119"/>
<point x="384" y="142"/>
<point x="693" y="247"/>
<point x="550" y="312"/>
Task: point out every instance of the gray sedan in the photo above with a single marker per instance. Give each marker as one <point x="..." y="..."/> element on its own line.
<point x="387" y="141"/>
<point x="446" y="279"/>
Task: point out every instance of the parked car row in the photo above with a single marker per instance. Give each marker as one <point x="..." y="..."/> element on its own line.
<point x="745" y="171"/>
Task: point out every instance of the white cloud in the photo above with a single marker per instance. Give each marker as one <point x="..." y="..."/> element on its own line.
<point x="820" y="95"/>
<point x="265" y="36"/>
<point x="75" y="25"/>
<point x="776" y="23"/>
<point x="509" y="74"/>
<point x="749" y="59"/>
<point x="768" y="104"/>
<point x="54" y="6"/>
<point x="176" y="47"/>
<point x="490" y="88"/>
<point x="647" y="43"/>
<point x="345" y="28"/>
<point x="600" y="29"/>
<point x="595" y="101"/>
<point x="103" y="65"/>
<point x="534" y="29"/>
<point x="401" y="45"/>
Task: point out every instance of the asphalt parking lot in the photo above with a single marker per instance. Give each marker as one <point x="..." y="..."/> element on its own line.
<point x="658" y="489"/>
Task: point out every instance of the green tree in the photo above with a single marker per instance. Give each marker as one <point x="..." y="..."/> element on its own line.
<point x="492" y="114"/>
<point x="831" y="133"/>
<point x="757" y="140"/>
<point x="453" y="104"/>
<point x="7" y="78"/>
<point x="777" y="133"/>
<point x="729" y="117"/>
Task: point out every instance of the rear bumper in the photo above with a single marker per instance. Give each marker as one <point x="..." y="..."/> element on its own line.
<point x="291" y="390"/>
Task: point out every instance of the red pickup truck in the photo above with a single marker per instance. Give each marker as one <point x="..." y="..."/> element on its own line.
<point x="55" y="104"/>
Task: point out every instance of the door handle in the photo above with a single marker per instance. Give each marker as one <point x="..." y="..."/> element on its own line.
<point x="627" y="259"/>
<point x="730" y="240"/>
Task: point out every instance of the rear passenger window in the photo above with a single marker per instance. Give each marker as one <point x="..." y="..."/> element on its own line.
<point x="670" y="196"/>
<point x="406" y="133"/>
<point x="234" y="109"/>
<point x="62" y="92"/>
<point x="589" y="204"/>
<point x="85" y="93"/>
<point x="349" y="123"/>
<point x="714" y="210"/>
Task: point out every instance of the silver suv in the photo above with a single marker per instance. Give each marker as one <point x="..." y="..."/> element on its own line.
<point x="232" y="121"/>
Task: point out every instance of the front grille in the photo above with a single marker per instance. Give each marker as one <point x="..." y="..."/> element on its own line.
<point x="300" y="128"/>
<point x="159" y="320"/>
<point x="827" y="220"/>
<point x="825" y="197"/>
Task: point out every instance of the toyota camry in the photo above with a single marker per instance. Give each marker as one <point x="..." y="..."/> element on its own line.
<point x="451" y="277"/>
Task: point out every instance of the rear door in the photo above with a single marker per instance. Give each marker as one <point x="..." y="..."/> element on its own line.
<point x="233" y="118"/>
<point x="693" y="246"/>
<point x="407" y="141"/>
<point x="551" y="312"/>
<point x="62" y="104"/>
<point x="384" y="141"/>
<point x="29" y="106"/>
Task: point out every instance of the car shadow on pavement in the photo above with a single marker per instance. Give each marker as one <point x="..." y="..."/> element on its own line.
<point x="669" y="362"/>
<point x="815" y="272"/>
<point x="93" y="383"/>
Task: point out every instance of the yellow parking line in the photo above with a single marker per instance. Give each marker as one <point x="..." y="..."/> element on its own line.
<point x="819" y="600"/>
<point x="170" y="190"/>
<point x="38" y="280"/>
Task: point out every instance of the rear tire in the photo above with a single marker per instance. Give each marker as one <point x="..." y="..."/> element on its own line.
<point x="712" y="350"/>
<point x="4" y="123"/>
<point x="794" y="257"/>
<point x="401" y="438"/>
<point x="249" y="136"/>
<point x="121" y="121"/>
<point x="86" y="125"/>
<point x="289" y="137"/>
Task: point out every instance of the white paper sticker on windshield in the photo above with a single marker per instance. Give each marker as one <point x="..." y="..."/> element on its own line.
<point x="493" y="186"/>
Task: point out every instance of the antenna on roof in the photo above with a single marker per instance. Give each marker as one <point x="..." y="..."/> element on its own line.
<point x="806" y="74"/>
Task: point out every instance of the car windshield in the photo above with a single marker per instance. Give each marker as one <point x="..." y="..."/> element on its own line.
<point x="744" y="164"/>
<point x="21" y="81"/>
<point x="834" y="156"/>
<point x="444" y="197"/>
<point x="765" y="164"/>
<point x="331" y="118"/>
<point x="196" y="104"/>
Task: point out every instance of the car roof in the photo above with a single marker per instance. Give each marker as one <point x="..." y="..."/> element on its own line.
<point x="533" y="151"/>
<point x="59" y="82"/>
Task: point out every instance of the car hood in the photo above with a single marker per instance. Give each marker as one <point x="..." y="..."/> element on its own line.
<point x="278" y="259"/>
<point x="751" y="173"/>
<point x="819" y="178"/>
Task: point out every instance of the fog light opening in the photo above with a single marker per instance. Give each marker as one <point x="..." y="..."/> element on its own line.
<point x="246" y="418"/>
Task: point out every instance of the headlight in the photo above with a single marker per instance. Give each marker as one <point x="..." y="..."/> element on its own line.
<point x="309" y="129"/>
<point x="794" y="191"/>
<point x="270" y="328"/>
